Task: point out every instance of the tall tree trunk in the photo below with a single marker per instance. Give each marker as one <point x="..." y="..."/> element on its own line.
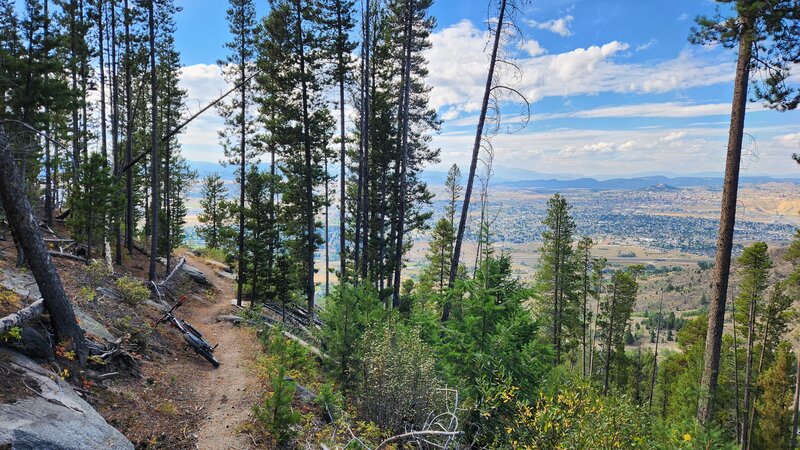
<point x="719" y="291"/>
<point x="654" y="372"/>
<point x="128" y="135"/>
<point x="327" y="246"/>
<point x="48" y="162"/>
<point x="609" y="338"/>
<point x="748" y="373"/>
<point x="342" y="148"/>
<point x="752" y="412"/>
<point x="401" y="219"/>
<point x="25" y="229"/>
<point x="584" y="322"/>
<point x="76" y="155"/>
<point x="365" y="135"/>
<point x="309" y="213"/>
<point x="462" y="224"/>
<point x="103" y="140"/>
<point x="115" y="126"/>
<point x="242" y="161"/>
<point x="795" y="415"/>
<point x="736" y="371"/>
<point x="152" y="274"/>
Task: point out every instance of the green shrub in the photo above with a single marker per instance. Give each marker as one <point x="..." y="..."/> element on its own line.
<point x="399" y="383"/>
<point x="284" y="358"/>
<point x="132" y="290"/>
<point x="96" y="272"/>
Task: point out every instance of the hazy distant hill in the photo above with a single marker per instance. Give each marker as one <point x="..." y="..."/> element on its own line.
<point x="656" y="182"/>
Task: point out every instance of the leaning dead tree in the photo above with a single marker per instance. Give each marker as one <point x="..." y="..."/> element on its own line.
<point x="25" y="230"/>
<point x="504" y="29"/>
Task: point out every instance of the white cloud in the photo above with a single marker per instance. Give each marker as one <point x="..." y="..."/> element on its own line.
<point x="458" y="64"/>
<point x="646" y="45"/>
<point x="682" y="17"/>
<point x="789" y="139"/>
<point x="532" y="47"/>
<point x="559" y="26"/>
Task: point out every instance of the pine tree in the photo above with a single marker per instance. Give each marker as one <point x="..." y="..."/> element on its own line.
<point x="216" y="211"/>
<point x="89" y="205"/>
<point x="338" y="24"/>
<point x="300" y="128"/>
<point x="615" y="314"/>
<point x="774" y="405"/>
<point x="583" y="263"/>
<point x="765" y="35"/>
<point x="556" y="275"/>
<point x="755" y="264"/>
<point x="440" y="247"/>
<point x="238" y="138"/>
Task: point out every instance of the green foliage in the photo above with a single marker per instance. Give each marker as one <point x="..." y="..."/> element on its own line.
<point x="285" y="361"/>
<point x="570" y="413"/>
<point x="96" y="272"/>
<point x="557" y="277"/>
<point x="493" y="347"/>
<point x="398" y="384"/>
<point x="94" y="203"/>
<point x="774" y="404"/>
<point x="217" y="211"/>
<point x="349" y="312"/>
<point x="132" y="289"/>
<point x="276" y="413"/>
<point x="13" y="334"/>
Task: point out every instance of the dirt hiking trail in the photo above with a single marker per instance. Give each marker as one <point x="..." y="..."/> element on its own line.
<point x="226" y="394"/>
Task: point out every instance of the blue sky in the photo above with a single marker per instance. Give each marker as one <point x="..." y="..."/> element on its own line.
<point x="615" y="89"/>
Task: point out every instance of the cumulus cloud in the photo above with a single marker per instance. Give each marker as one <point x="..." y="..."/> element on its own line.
<point x="558" y="26"/>
<point x="458" y="63"/>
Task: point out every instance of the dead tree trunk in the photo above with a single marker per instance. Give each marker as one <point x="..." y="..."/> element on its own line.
<point x="26" y="229"/>
<point x="462" y="224"/>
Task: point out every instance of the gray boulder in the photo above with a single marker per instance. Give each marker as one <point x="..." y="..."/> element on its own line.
<point x="31" y="343"/>
<point x="52" y="416"/>
<point x="195" y="274"/>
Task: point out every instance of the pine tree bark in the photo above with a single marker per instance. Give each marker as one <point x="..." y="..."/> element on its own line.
<point x="242" y="163"/>
<point x="748" y="374"/>
<point x="462" y="224"/>
<point x="309" y="213"/>
<point x="115" y="126"/>
<point x="795" y="415"/>
<point x="128" y="134"/>
<point x="26" y="229"/>
<point x="152" y="273"/>
<point x="719" y="291"/>
<point x="609" y="339"/>
<point x="401" y="219"/>
<point x="342" y="147"/>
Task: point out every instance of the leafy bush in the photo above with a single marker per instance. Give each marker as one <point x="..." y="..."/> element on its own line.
<point x="96" y="272"/>
<point x="349" y="312"/>
<point x="132" y="289"/>
<point x="399" y="382"/>
<point x="276" y="413"/>
<point x="13" y="334"/>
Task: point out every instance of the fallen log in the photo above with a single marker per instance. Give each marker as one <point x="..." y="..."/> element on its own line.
<point x="174" y="271"/>
<point x="32" y="311"/>
<point x="414" y="435"/>
<point x="69" y="256"/>
<point x="237" y="320"/>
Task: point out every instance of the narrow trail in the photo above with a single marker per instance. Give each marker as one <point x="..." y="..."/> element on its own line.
<point x="227" y="394"/>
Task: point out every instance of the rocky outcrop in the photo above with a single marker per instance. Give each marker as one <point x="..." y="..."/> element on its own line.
<point x="41" y="413"/>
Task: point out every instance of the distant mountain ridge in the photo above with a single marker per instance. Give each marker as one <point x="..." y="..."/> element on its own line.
<point x="640" y="183"/>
